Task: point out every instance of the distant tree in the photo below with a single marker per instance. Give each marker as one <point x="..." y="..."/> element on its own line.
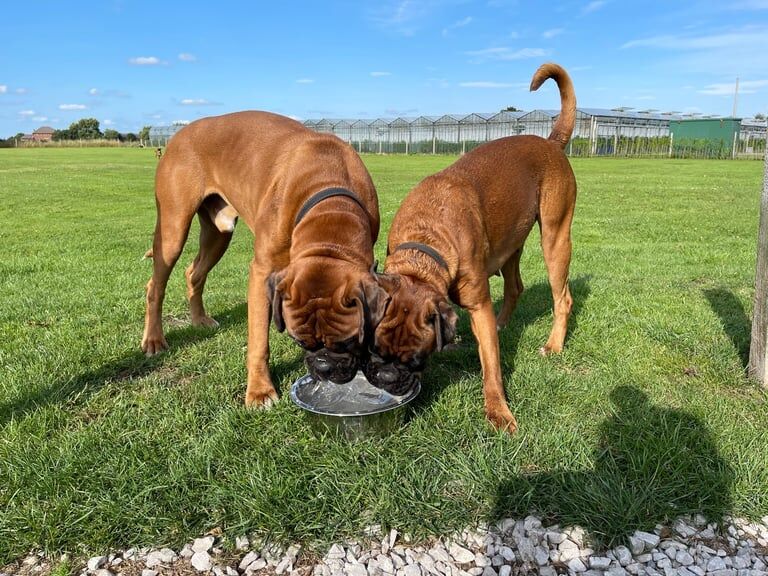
<point x="59" y="135"/>
<point x="11" y="141"/>
<point x="111" y="134"/>
<point x="130" y="137"/>
<point x="512" y="109"/>
<point x="144" y="135"/>
<point x="85" y="129"/>
<point x="759" y="116"/>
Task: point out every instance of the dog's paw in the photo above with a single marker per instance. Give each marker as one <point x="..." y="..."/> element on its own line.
<point x="502" y="419"/>
<point x="152" y="345"/>
<point x="206" y="321"/>
<point x="261" y="400"/>
<point x="549" y="349"/>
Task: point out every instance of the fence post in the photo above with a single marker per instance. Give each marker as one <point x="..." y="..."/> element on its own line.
<point x="671" y="139"/>
<point x="758" y="346"/>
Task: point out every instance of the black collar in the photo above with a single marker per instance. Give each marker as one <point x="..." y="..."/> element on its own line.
<point x="428" y="250"/>
<point x="322" y="195"/>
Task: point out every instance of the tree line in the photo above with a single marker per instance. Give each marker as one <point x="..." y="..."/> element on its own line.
<point x="86" y="129"/>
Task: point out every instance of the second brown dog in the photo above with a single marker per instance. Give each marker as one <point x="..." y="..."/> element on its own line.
<point x="458" y="227"/>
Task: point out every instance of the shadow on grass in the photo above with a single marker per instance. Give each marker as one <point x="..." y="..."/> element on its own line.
<point x="734" y="319"/>
<point x="77" y="389"/>
<point x="534" y="302"/>
<point x="652" y="464"/>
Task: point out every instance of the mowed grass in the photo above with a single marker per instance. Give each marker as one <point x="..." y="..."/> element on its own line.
<point x="647" y="413"/>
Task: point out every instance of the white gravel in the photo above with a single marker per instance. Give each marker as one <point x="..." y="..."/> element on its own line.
<point x="689" y="547"/>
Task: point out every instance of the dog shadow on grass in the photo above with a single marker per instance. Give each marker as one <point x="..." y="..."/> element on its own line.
<point x="535" y="302"/>
<point x="651" y="465"/>
<point x="736" y="324"/>
<point x="76" y="390"/>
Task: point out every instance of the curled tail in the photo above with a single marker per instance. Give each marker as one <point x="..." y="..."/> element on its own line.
<point x="563" y="128"/>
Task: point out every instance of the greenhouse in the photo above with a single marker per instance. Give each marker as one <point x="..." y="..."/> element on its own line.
<point x="597" y="132"/>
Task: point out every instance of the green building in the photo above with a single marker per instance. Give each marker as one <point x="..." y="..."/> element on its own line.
<point x="704" y="137"/>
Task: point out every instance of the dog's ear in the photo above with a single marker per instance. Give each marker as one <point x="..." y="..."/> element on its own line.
<point x="275" y="295"/>
<point x="376" y="297"/>
<point x="373" y="304"/>
<point x="445" y="325"/>
<point x="389" y="282"/>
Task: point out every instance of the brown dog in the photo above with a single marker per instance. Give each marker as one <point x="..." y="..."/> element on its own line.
<point x="458" y="227"/>
<point x="313" y="210"/>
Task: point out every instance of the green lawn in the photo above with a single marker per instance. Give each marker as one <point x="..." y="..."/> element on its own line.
<point x="647" y="414"/>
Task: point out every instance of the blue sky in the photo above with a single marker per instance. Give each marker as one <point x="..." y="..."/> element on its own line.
<point x="131" y="63"/>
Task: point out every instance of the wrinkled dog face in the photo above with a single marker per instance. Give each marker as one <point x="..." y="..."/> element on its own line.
<point x="332" y="321"/>
<point x="417" y="322"/>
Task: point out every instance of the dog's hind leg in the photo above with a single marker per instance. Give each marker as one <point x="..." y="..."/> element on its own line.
<point x="174" y="216"/>
<point x="556" y="246"/>
<point x="513" y="287"/>
<point x="213" y="244"/>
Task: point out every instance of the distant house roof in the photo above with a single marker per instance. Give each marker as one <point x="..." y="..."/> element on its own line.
<point x="44" y="130"/>
<point x="25" y="137"/>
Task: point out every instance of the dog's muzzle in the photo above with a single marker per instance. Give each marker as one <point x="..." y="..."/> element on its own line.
<point x="393" y="377"/>
<point x="337" y="367"/>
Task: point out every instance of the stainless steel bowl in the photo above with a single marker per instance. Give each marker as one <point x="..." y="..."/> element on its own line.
<point x="353" y="410"/>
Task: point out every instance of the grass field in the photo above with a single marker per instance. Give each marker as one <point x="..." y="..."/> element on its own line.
<point x="647" y="414"/>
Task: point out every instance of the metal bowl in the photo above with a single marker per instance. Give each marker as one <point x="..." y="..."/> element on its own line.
<point x="353" y="410"/>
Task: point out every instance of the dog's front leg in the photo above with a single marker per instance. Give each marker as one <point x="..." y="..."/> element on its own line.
<point x="484" y="328"/>
<point x="260" y="391"/>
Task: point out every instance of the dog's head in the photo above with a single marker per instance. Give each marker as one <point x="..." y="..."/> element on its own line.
<point x="330" y="310"/>
<point x="417" y="321"/>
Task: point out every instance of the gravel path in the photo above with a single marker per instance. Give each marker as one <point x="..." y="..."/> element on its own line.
<point x="690" y="547"/>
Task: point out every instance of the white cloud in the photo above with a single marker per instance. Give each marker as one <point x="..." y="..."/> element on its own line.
<point x="196" y="102"/>
<point x="749" y="36"/>
<point x="724" y="52"/>
<point x="40" y="118"/>
<point x="108" y="122"/>
<point x="380" y="74"/>
<point x="593" y="6"/>
<point x="506" y="53"/>
<point x="187" y="57"/>
<point x="20" y="90"/>
<point x="456" y="25"/>
<point x="93" y="91"/>
<point x="305" y="81"/>
<point x="400" y="112"/>
<point x="27" y="113"/>
<point x="552" y="33"/>
<point x="437" y="83"/>
<point x="404" y="17"/>
<point x="145" y="61"/>
<point x="3" y="88"/>
<point x="728" y="89"/>
<point x="72" y="107"/>
<point x="484" y="84"/>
